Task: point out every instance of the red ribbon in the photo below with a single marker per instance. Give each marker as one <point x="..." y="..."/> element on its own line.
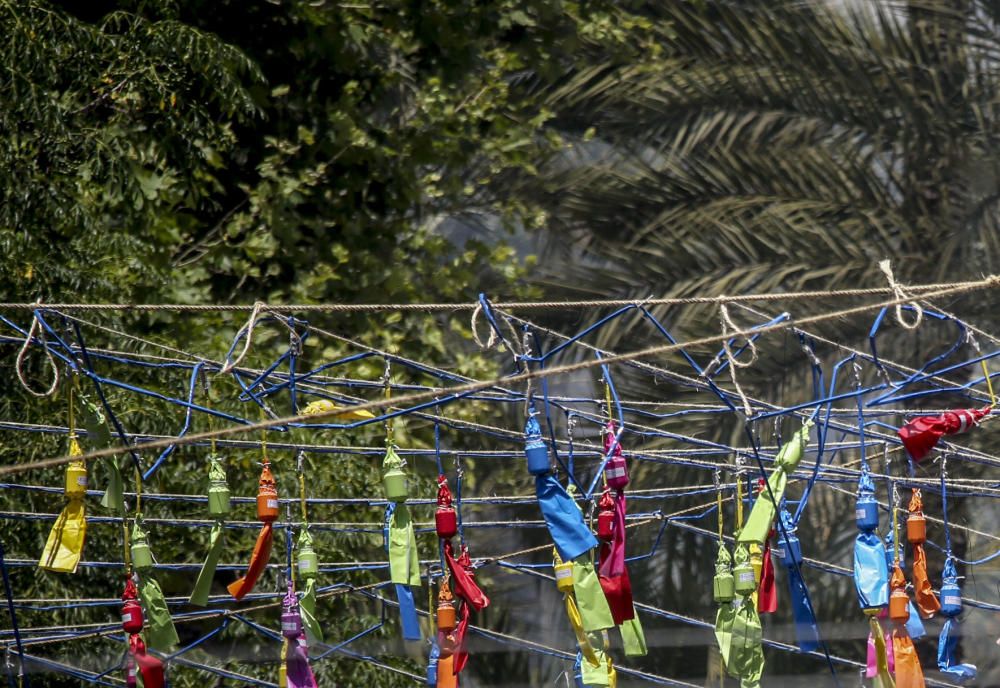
<point x="151" y="667"/>
<point x="921" y="435"/>
<point x="767" y="592"/>
<point x="617" y="590"/>
<point x="258" y="562"/>
<point x="614" y="564"/>
<point x="444" y="494"/>
<point x="462" y="581"/>
<point x="461" y="654"/>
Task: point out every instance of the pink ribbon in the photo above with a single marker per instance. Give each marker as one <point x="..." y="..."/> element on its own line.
<point x="297" y="670"/>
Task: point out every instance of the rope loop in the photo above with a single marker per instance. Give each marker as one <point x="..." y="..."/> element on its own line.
<point x="248" y="329"/>
<point x="730" y="328"/>
<point x="19" y="365"/>
<point x="918" y="312"/>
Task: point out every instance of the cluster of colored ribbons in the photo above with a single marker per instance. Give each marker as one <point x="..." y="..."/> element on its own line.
<point x="588" y="530"/>
<point x="145" y="616"/>
<point x="597" y="599"/>
<point x="879" y="576"/>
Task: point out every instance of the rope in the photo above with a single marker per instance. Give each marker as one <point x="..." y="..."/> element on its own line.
<point x="19" y="364"/>
<point x="728" y="326"/>
<point x="508" y="305"/>
<point x="248" y="331"/>
<point x="918" y="313"/>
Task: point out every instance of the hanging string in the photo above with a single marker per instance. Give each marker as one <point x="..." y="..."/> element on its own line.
<point x="459" y="475"/>
<point x="944" y="505"/>
<point x="739" y="493"/>
<point x="728" y="328"/>
<point x="716" y="477"/>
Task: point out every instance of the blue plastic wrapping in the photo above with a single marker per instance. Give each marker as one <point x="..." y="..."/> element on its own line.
<point x="871" y="574"/>
<point x="535" y="448"/>
<point x="789" y="552"/>
<point x="570" y="534"/>
<point x="432" y="664"/>
<point x="951" y="606"/>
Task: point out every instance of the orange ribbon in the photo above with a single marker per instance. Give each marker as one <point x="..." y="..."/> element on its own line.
<point x="908" y="671"/>
<point x="267" y="511"/>
<point x="923" y="593"/>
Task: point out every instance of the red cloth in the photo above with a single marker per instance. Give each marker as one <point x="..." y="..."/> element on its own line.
<point x="617" y="591"/>
<point x="258" y="562"/>
<point x="462" y="581"/>
<point x="461" y="655"/>
<point x="614" y="564"/>
<point x="767" y="592"/>
<point x="921" y="435"/>
<point x="151" y="667"/>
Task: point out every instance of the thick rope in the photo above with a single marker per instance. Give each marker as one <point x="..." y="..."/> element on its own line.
<point x="510" y="305"/>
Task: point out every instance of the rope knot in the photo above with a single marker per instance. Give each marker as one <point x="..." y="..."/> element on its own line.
<point x="918" y="313"/>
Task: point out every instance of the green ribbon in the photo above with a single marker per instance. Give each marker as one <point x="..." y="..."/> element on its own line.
<point x="633" y="638"/>
<point x="724" y="630"/>
<point x="203" y="586"/>
<point x="99" y="436"/>
<point x="746" y="652"/>
<point x="307" y="602"/>
<point x="596" y="675"/>
<point x="307" y="610"/>
<point x="594" y="610"/>
<point x="113" y="498"/>
<point x="762" y="515"/>
<point x="404" y="564"/>
<point x="160" y="632"/>
<point x="742" y="651"/>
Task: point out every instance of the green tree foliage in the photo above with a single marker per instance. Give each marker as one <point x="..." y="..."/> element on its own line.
<point x="199" y="151"/>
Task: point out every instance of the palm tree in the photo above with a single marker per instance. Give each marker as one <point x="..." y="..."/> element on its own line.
<point x="778" y="146"/>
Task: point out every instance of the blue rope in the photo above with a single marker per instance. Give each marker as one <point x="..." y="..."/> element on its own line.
<point x="9" y="593"/>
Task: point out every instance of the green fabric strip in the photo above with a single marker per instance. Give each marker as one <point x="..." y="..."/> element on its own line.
<point x="746" y="654"/>
<point x="633" y="637"/>
<point x="762" y="515"/>
<point x="307" y="609"/>
<point x="203" y="586"/>
<point x="404" y="563"/>
<point x="594" y="610"/>
<point x="596" y="676"/>
<point x="160" y="632"/>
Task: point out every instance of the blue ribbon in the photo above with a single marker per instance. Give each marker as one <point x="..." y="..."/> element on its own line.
<point x="407" y="612"/>
<point x="570" y="534"/>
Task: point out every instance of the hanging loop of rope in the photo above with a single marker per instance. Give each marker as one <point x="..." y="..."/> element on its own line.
<point x="918" y="312"/>
<point x="19" y="365"/>
<point x="247" y="331"/>
<point x="730" y="328"/>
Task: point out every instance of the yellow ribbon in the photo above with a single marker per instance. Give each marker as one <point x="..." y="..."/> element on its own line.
<point x="283" y="667"/>
<point x="64" y="546"/>
<point x="989" y="384"/>
<point x="576" y="622"/>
